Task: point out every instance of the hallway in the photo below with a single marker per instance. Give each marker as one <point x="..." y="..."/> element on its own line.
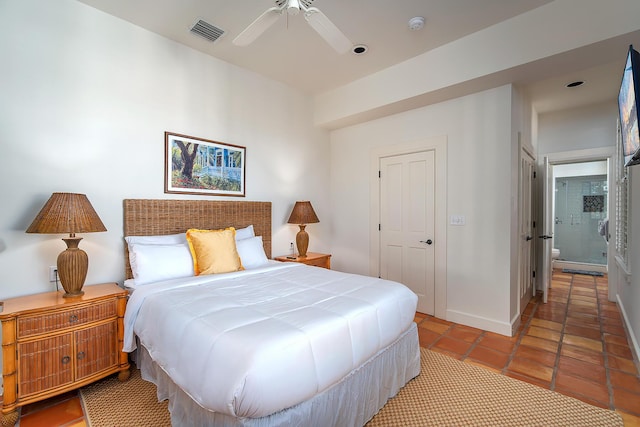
<point x="575" y="345"/>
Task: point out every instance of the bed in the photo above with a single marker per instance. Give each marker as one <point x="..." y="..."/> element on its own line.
<point x="272" y="344"/>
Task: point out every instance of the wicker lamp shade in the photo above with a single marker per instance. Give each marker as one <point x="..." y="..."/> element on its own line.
<point x="302" y="214"/>
<point x="69" y="213"/>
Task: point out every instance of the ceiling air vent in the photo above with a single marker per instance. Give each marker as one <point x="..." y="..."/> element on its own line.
<point x="206" y="30"/>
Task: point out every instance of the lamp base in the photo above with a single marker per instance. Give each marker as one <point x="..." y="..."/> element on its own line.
<point x="73" y="264"/>
<point x="302" y="241"/>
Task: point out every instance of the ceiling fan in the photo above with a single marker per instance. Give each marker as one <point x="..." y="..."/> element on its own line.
<point x="318" y="21"/>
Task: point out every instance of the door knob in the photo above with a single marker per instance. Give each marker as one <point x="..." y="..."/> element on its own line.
<point x="528" y="238"/>
<point x="428" y="241"/>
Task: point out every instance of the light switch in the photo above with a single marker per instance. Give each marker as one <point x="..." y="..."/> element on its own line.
<point x="457" y="220"/>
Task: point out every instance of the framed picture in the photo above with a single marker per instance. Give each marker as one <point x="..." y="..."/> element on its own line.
<point x="199" y="166"/>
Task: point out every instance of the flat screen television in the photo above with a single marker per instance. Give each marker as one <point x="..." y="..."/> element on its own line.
<point x="628" y="105"/>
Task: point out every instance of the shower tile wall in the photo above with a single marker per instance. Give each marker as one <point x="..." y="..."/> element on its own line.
<point x="580" y="207"/>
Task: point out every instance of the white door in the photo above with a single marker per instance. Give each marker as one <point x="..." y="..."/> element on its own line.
<point x="547" y="228"/>
<point x="407" y="213"/>
<point x="526" y="229"/>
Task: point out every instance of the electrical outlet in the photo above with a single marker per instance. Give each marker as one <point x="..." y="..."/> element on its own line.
<point x="53" y="273"/>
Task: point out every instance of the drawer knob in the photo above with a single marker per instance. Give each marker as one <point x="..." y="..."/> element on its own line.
<point x="65" y="360"/>
<point x="73" y="318"/>
<point x="81" y="355"/>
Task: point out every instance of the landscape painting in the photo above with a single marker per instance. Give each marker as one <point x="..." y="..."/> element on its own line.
<point x="200" y="166"/>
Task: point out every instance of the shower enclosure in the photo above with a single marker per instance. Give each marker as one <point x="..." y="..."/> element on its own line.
<point x="580" y="212"/>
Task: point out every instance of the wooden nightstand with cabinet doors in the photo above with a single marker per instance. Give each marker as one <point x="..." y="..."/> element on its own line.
<point x="51" y="344"/>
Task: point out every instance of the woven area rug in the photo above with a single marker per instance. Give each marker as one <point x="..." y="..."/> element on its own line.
<point x="449" y="392"/>
<point x="446" y="393"/>
<point x="132" y="403"/>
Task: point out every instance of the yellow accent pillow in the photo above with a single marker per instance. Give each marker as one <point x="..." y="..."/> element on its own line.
<point x="213" y="251"/>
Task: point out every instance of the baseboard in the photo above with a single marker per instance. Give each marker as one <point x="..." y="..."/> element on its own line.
<point x="631" y="337"/>
<point x="491" y="325"/>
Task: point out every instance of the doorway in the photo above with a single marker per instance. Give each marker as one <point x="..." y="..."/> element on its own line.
<point x="580" y="212"/>
<point x="564" y="165"/>
<point x="427" y="178"/>
<point x="526" y="257"/>
<point x="406" y="224"/>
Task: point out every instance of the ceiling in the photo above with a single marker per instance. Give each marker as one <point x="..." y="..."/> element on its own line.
<point x="292" y="52"/>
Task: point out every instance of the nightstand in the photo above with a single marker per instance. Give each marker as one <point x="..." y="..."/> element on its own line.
<point x="51" y="344"/>
<point x="312" y="258"/>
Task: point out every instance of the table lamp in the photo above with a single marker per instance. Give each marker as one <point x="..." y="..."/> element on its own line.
<point x="69" y="213"/>
<point x="302" y="214"/>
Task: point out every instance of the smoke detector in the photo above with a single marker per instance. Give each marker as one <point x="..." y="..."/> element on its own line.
<point x="416" y="23"/>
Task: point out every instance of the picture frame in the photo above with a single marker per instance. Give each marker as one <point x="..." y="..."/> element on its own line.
<point x="201" y="166"/>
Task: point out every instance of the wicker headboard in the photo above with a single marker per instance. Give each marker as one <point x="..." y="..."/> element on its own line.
<point x="144" y="217"/>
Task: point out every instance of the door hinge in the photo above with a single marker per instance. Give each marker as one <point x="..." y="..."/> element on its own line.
<point x="533" y="273"/>
<point x="379" y="174"/>
<point x="379" y="227"/>
<point x="534" y="174"/>
<point x="534" y="224"/>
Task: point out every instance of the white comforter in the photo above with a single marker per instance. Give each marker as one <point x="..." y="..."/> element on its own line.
<point x="251" y="343"/>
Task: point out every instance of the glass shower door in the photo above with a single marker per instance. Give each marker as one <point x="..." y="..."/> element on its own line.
<point x="580" y="214"/>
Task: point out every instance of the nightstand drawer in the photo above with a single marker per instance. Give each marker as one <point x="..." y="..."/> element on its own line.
<point x="61" y="319"/>
<point x="318" y="262"/>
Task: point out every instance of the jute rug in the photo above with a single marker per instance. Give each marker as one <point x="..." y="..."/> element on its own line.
<point x="132" y="403"/>
<point x="447" y="393"/>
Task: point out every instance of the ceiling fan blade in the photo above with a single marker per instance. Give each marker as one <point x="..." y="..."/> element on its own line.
<point x="257" y="27"/>
<point x="327" y="30"/>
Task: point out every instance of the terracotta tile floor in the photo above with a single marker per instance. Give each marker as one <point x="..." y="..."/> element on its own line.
<point x="575" y="344"/>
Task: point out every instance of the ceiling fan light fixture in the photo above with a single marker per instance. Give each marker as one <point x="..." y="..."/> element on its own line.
<point x="293" y="7"/>
<point x="316" y="19"/>
<point x="257" y="27"/>
<point x="327" y="30"/>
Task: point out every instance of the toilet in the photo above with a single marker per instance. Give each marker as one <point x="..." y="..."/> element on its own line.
<point x="555" y="255"/>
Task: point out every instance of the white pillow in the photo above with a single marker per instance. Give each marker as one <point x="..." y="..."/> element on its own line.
<point x="155" y="262"/>
<point x="169" y="239"/>
<point x="244" y="233"/>
<point x="251" y="252"/>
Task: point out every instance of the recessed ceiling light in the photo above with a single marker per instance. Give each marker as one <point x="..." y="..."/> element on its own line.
<point x="359" y="49"/>
<point x="575" y="84"/>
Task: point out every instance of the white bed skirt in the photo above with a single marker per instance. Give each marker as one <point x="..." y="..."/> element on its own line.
<point x="351" y="402"/>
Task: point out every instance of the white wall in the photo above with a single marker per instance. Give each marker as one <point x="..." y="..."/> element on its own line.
<point x="86" y="99"/>
<point x="479" y="182"/>
<point x="592" y="126"/>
